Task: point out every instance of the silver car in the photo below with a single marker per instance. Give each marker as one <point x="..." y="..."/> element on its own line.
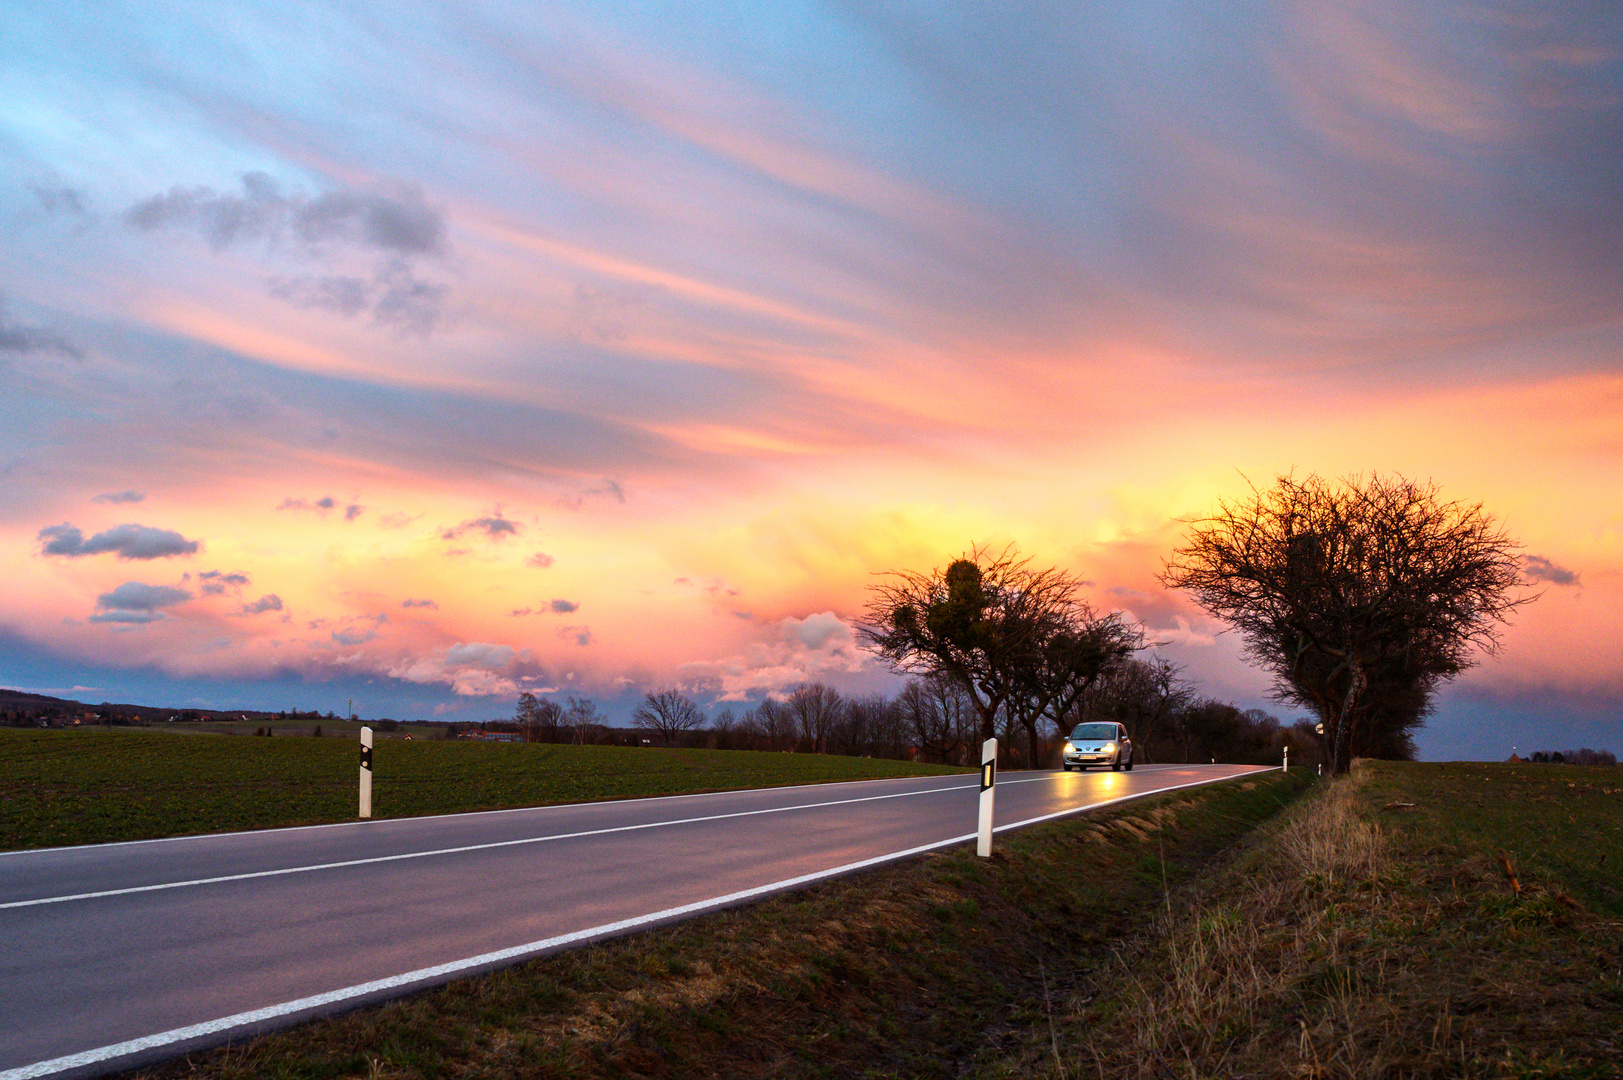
<point x="1098" y="744"/>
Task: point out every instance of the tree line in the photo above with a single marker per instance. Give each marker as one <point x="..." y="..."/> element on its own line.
<point x="931" y="719"/>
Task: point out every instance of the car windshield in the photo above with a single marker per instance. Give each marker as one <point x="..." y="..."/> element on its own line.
<point x="1094" y="731"/>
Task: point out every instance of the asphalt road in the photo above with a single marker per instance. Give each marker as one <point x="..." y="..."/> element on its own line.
<point x="113" y="955"/>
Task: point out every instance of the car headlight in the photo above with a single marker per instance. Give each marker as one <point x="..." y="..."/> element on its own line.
<point x="1108" y="748"/>
<point x="1069" y="749"/>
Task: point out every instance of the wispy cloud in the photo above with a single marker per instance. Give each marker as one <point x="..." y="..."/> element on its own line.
<point x="57" y="198"/>
<point x="323" y="504"/>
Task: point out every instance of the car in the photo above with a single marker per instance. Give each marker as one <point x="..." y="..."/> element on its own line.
<point x="1098" y="744"/>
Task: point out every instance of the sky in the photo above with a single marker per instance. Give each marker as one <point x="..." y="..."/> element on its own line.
<point x="408" y="356"/>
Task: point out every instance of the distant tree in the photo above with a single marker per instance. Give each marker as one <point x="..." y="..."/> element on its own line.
<point x="816" y="708"/>
<point x="725" y="731"/>
<point x="939" y="718"/>
<point x="317" y="732"/>
<point x="667" y="714"/>
<point x="537" y="718"/>
<point x="583" y="720"/>
<point x="886" y="732"/>
<point x="1146" y="695"/>
<point x="1353" y="594"/>
<point x="774" y="724"/>
<point x="866" y="725"/>
<point x="1074" y="650"/>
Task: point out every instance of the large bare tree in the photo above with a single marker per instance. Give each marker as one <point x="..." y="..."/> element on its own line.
<point x="1016" y="639"/>
<point x="1360" y="596"/>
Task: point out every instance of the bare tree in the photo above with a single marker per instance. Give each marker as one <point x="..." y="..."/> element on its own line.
<point x="977" y="622"/>
<point x="775" y="723"/>
<point x="876" y="721"/>
<point x="537" y="718"/>
<point x="725" y="730"/>
<point x="939" y="717"/>
<point x="1147" y="696"/>
<point x="584" y="721"/>
<point x="1354" y="595"/>
<point x="851" y="730"/>
<point x="667" y="714"/>
<point x="816" y="707"/>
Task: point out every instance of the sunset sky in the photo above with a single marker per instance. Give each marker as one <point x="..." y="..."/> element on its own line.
<point x="418" y="354"/>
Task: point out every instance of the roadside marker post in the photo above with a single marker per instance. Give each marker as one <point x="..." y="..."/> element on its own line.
<point x="983" y="844"/>
<point x="366" y="772"/>
<point x="1287" y="759"/>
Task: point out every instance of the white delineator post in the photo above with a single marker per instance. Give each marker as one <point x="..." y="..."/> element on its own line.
<point x="1287" y="759"/>
<point x="983" y="845"/>
<point x="366" y="772"/>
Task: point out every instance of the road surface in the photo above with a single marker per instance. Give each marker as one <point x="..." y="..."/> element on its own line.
<point x="119" y="954"/>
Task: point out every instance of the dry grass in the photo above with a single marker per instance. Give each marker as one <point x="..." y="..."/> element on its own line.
<point x="1345" y="946"/>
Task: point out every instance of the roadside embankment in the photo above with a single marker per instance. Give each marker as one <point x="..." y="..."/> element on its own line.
<point x="1413" y="920"/>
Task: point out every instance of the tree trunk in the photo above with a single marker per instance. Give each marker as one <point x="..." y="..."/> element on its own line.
<point x="1341" y="761"/>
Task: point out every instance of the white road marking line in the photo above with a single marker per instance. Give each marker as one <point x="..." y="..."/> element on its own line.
<point x="439" y="972"/>
<point x="282" y="871"/>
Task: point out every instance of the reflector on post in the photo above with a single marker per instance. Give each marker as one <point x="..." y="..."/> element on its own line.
<point x="366" y="772"/>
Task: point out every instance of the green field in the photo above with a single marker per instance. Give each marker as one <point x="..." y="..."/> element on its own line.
<point x="96" y="786"/>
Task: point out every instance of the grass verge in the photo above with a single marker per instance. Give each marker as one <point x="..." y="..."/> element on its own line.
<point x="929" y="968"/>
<point x="88" y="787"/>
<point x="1412" y="921"/>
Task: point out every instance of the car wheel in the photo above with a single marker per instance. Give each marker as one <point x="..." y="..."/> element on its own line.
<point x="1115" y="763"/>
<point x="1064" y="767"/>
<point x="1129" y="765"/>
